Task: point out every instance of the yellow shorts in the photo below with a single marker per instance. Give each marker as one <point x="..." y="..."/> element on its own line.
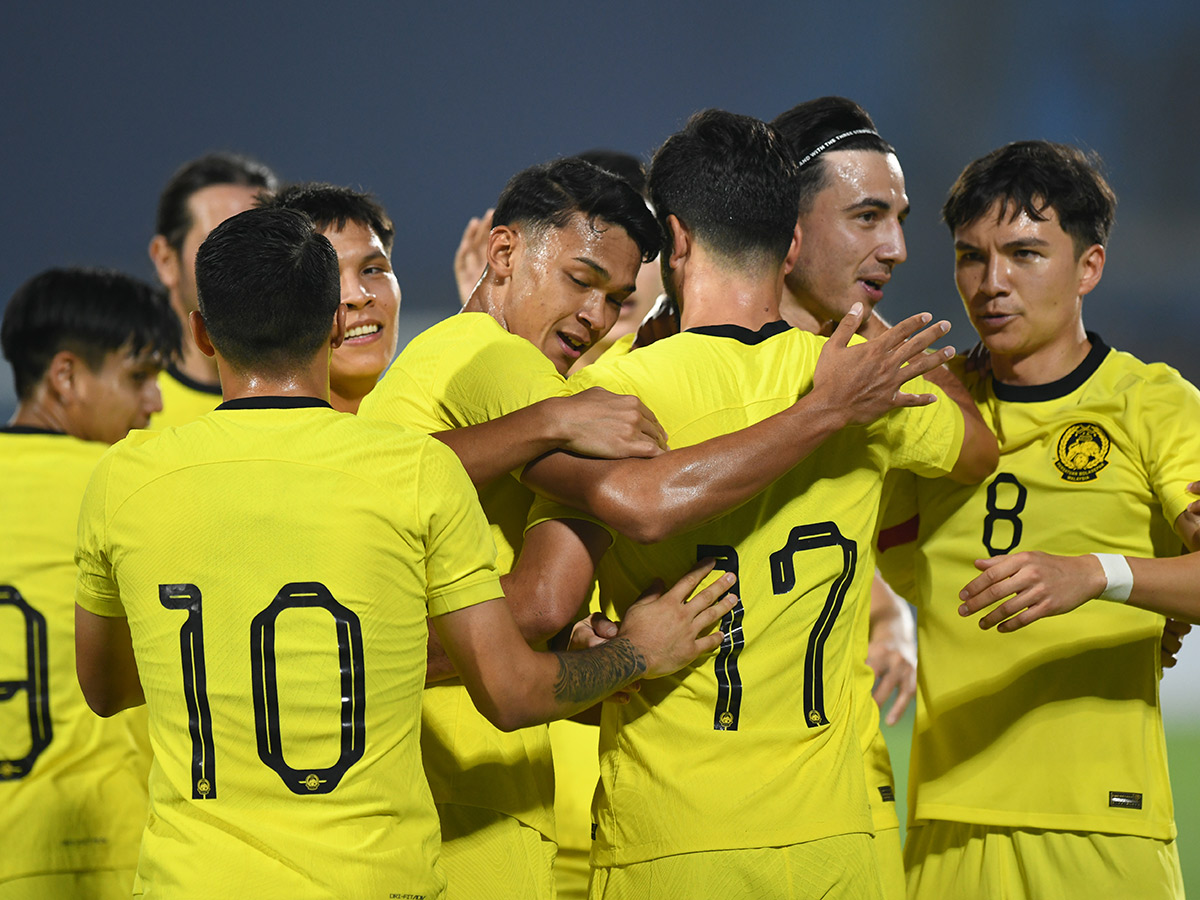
<point x="487" y="855"/>
<point x="109" y="884"/>
<point x="572" y="871"/>
<point x="953" y="860"/>
<point x="834" y="868"/>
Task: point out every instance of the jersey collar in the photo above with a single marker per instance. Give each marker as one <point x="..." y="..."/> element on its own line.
<point x="745" y="335"/>
<point x="29" y="429"/>
<point x="1036" y="393"/>
<point x="274" y="403"/>
<point x="189" y="382"/>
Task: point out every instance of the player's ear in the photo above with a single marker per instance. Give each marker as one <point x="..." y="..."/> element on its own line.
<point x="1090" y="267"/>
<point x="793" y="254"/>
<point x="166" y="261"/>
<point x="200" y="333"/>
<point x="62" y="375"/>
<point x="681" y="241"/>
<point x="339" y="327"/>
<point x="502" y="248"/>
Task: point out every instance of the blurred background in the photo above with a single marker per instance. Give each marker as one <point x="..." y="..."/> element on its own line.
<point x="433" y="106"/>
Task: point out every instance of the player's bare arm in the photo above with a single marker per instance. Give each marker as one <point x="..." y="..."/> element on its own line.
<point x="104" y="663"/>
<point x="515" y="687"/>
<point x="650" y="500"/>
<point x="594" y="422"/>
<point x="892" y="649"/>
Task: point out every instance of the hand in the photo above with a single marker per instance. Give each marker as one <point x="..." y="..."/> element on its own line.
<point x="470" y="259"/>
<point x="662" y="321"/>
<point x="600" y="423"/>
<point x="864" y="380"/>
<point x="1044" y="585"/>
<point x="1172" y="641"/>
<point x="892" y="650"/>
<point x="669" y="630"/>
<point x="593" y="631"/>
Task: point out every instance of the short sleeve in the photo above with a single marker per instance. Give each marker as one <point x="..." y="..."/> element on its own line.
<point x="925" y="439"/>
<point x="1167" y="428"/>
<point x="460" y="555"/>
<point x="95" y="588"/>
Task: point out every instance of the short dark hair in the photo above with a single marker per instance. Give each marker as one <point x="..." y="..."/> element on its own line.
<point x="90" y="312"/>
<point x="332" y="206"/>
<point x="1031" y="177"/>
<point x="809" y="126"/>
<point x="731" y="181"/>
<point x="175" y="219"/>
<point x="548" y="195"/>
<point x="268" y="287"/>
<point x="627" y="166"/>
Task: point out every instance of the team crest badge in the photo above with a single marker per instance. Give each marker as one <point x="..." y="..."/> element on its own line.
<point x="1082" y="452"/>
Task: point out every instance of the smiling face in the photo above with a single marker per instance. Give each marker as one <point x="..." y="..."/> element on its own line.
<point x="852" y="236"/>
<point x="1022" y="284"/>
<point x="568" y="286"/>
<point x="371" y="298"/>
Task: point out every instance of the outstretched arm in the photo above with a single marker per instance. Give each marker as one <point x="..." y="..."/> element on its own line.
<point x="649" y="500"/>
<point x="594" y="422"/>
<point x="515" y="687"/>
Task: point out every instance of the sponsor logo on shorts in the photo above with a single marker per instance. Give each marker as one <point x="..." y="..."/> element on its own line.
<point x="1082" y="451"/>
<point x="1124" y="800"/>
<point x="886" y="792"/>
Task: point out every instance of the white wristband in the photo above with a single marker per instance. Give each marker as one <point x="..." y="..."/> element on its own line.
<point x="1119" y="576"/>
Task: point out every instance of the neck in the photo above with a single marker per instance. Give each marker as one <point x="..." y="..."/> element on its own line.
<point x="309" y="381"/>
<point x="192" y="363"/>
<point x="41" y="411"/>
<point x="488" y="297"/>
<point x="714" y="294"/>
<point x="796" y="314"/>
<point x="1045" y="365"/>
<point x="347" y="400"/>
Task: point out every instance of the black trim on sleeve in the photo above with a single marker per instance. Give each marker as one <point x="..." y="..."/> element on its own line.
<point x="1036" y="393"/>
<point x="745" y="335"/>
<point x="29" y="429"/>
<point x="274" y="403"/>
<point x="187" y="381"/>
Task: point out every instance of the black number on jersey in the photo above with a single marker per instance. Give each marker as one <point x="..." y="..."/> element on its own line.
<point x="195" y="686"/>
<point x="729" y="682"/>
<point x="997" y="513"/>
<point x="783" y="580"/>
<point x="35" y="685"/>
<point x="303" y="595"/>
<point x="353" y="729"/>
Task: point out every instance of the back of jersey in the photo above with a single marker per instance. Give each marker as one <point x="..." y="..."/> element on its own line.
<point x="275" y="566"/>
<point x="72" y="785"/>
<point x="757" y="747"/>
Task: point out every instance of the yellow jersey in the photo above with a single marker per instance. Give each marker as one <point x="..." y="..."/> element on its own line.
<point x="464" y="371"/>
<point x="183" y="399"/>
<point x="1056" y="726"/>
<point x="277" y="562"/>
<point x="72" y="785"/>
<point x="776" y="704"/>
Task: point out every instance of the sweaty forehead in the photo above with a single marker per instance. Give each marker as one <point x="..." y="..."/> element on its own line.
<point x="850" y="175"/>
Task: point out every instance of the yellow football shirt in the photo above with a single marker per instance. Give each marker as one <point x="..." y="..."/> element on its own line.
<point x="277" y="562"/>
<point x="1056" y="726"/>
<point x="183" y="398"/>
<point x="464" y="371"/>
<point x="72" y="785"/>
<point x="758" y="746"/>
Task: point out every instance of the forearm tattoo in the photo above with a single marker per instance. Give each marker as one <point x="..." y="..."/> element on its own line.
<point x="588" y="675"/>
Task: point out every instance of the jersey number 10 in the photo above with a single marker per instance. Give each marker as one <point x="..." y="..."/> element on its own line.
<point x="297" y="595"/>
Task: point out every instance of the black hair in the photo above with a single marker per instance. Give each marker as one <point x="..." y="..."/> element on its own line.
<point x="810" y="126"/>
<point x="332" y="206"/>
<point x="90" y="312"/>
<point x="268" y="287"/>
<point x="548" y="195"/>
<point x="731" y="181"/>
<point x="628" y="167"/>
<point x="174" y="218"/>
<point x="1031" y="177"/>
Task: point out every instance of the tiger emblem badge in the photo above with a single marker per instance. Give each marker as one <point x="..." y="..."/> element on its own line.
<point x="1082" y="452"/>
